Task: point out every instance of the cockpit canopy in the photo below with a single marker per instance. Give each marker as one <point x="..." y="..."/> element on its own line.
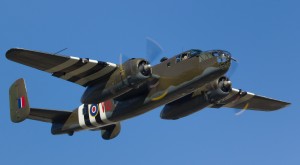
<point x="222" y="55"/>
<point x="204" y="55"/>
<point x="217" y="53"/>
<point x="188" y="54"/>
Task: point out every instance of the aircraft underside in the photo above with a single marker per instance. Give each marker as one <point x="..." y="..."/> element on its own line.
<point x="184" y="84"/>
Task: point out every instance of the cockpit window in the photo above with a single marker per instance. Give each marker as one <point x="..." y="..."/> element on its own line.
<point x="183" y="56"/>
<point x="189" y="54"/>
<point x="195" y="52"/>
<point x="207" y="55"/>
<point x="216" y="54"/>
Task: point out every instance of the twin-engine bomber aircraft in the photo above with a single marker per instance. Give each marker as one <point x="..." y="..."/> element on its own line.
<point x="184" y="84"/>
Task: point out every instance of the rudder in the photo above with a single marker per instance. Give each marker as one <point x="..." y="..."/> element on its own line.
<point x="19" y="104"/>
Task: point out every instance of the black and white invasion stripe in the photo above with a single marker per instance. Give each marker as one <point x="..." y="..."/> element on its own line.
<point x="87" y="121"/>
<point x="82" y="71"/>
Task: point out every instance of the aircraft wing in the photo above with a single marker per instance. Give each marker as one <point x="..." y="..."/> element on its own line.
<point x="82" y="71"/>
<point x="246" y="100"/>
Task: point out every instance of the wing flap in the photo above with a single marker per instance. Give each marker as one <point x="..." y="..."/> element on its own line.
<point x="82" y="71"/>
<point x="246" y="100"/>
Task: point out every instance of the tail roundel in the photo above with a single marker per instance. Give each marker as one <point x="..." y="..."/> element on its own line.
<point x="19" y="104"/>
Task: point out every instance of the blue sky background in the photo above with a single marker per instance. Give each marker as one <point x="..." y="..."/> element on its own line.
<point x="263" y="35"/>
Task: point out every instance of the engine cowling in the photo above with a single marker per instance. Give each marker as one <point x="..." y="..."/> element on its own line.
<point x="134" y="72"/>
<point x="222" y="88"/>
<point x="128" y="76"/>
<point x="190" y="104"/>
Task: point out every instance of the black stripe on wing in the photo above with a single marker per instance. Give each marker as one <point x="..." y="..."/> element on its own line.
<point x="75" y="66"/>
<point x="89" y="72"/>
<point x="100" y="79"/>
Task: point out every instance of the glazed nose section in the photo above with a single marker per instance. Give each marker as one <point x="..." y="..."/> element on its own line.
<point x="224" y="59"/>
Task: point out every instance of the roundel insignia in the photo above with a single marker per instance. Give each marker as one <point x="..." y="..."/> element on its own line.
<point x="94" y="110"/>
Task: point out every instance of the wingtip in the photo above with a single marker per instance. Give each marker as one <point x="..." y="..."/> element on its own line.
<point x="283" y="105"/>
<point x="12" y="51"/>
<point x="287" y="104"/>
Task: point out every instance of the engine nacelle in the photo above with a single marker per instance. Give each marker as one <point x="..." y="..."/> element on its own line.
<point x="128" y="76"/>
<point x="221" y="89"/>
<point x="190" y="104"/>
<point x="134" y="72"/>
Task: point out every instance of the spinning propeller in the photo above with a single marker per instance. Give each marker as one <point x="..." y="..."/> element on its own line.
<point x="233" y="67"/>
<point x="153" y="51"/>
<point x="241" y="111"/>
<point x="121" y="69"/>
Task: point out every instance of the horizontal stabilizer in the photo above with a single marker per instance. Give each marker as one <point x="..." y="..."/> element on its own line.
<point x="50" y="116"/>
<point x="20" y="109"/>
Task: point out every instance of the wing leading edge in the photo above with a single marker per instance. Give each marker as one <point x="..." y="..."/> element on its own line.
<point x="82" y="71"/>
<point x="246" y="100"/>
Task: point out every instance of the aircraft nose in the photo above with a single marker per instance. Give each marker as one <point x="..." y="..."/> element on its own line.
<point x="227" y="56"/>
<point x="224" y="59"/>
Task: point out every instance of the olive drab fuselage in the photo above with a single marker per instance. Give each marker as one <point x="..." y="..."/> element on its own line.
<point x="171" y="79"/>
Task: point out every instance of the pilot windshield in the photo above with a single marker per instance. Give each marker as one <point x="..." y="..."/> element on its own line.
<point x="189" y="54"/>
<point x="195" y="52"/>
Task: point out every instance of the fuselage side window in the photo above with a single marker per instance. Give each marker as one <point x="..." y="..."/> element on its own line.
<point x="183" y="56"/>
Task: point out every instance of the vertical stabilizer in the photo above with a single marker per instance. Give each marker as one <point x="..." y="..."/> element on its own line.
<point x="19" y="104"/>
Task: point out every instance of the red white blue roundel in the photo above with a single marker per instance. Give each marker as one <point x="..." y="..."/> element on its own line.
<point x="94" y="110"/>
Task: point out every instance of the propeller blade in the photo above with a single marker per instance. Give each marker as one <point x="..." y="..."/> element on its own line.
<point x="121" y="69"/>
<point x="153" y="49"/>
<point x="233" y="67"/>
<point x="242" y="111"/>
